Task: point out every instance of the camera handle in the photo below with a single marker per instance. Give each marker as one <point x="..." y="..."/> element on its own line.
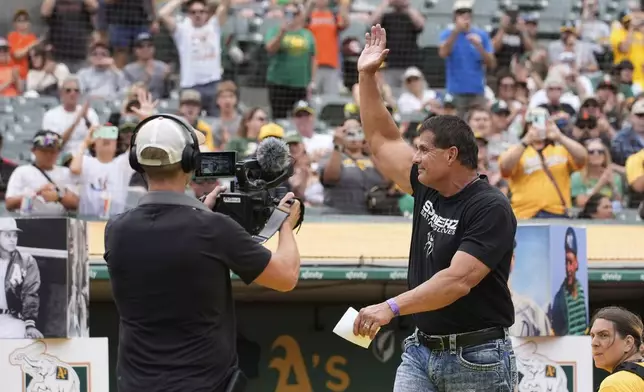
<point x="273" y="225"/>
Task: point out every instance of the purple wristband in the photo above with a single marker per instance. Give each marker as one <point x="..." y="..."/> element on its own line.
<point x="394" y="307"/>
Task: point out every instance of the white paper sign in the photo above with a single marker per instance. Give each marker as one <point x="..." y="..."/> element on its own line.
<point x="61" y="365"/>
<point x="344" y="329"/>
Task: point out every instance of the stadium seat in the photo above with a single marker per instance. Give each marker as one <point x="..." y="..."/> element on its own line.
<point x="330" y="108"/>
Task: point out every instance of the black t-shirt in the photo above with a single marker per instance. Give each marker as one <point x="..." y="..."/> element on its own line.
<point x="70" y="26"/>
<point x="512" y="45"/>
<point x="478" y="221"/>
<point x="402" y="37"/>
<point x="170" y="273"/>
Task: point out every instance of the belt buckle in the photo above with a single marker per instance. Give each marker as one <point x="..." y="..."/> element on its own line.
<point x="440" y="341"/>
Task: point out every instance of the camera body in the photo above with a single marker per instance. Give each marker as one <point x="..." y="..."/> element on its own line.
<point x="254" y="193"/>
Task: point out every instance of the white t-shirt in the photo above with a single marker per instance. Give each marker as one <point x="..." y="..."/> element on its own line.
<point x="27" y="179"/>
<point x="104" y="181"/>
<point x="409" y="103"/>
<point x="58" y="120"/>
<point x="199" y="52"/>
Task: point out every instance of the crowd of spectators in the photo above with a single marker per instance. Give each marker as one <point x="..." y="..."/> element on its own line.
<point x="587" y="155"/>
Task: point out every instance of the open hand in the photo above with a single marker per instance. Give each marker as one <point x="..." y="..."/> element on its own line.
<point x="147" y="105"/>
<point x="375" y="50"/>
<point x="33" y="333"/>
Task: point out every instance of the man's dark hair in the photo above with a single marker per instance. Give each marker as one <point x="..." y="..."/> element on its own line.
<point x="451" y="131"/>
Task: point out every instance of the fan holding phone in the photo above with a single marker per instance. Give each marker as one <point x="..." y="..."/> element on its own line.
<point x="538" y="169"/>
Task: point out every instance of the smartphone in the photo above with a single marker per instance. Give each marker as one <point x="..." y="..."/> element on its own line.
<point x="216" y="165"/>
<point x="106" y="132"/>
<point x="539" y="119"/>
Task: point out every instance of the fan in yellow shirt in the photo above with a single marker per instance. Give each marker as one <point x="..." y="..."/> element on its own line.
<point x="627" y="41"/>
<point x="635" y="171"/>
<point x="616" y="338"/>
<point x="538" y="170"/>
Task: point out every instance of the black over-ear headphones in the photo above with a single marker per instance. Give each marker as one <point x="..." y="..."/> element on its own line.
<point x="190" y="158"/>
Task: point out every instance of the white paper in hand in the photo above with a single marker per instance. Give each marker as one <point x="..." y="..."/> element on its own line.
<point x="344" y="329"/>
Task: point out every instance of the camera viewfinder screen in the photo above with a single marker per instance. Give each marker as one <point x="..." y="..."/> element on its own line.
<point x="217" y="164"/>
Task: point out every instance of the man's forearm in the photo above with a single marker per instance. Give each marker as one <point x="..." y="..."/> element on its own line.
<point x="438" y="292"/>
<point x="446" y="48"/>
<point x="488" y="58"/>
<point x="416" y="17"/>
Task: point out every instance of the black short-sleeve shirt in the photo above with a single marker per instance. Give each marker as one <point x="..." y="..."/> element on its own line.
<point x="479" y="221"/>
<point x="170" y="273"/>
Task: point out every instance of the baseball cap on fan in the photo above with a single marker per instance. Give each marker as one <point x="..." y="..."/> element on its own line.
<point x="166" y="135"/>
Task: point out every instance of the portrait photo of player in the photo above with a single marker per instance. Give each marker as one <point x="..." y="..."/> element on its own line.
<point x="20" y="280"/>
<point x="569" y="310"/>
<point x="529" y="318"/>
<point x="36" y="276"/>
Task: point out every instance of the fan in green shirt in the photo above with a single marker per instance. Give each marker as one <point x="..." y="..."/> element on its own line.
<point x="291" y="65"/>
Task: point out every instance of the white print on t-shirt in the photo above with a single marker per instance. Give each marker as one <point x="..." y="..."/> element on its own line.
<point x="199" y="52"/>
<point x="437" y="223"/>
<point x="533" y="164"/>
<point x="539" y="373"/>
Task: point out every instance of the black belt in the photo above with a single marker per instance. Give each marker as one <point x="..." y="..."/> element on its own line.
<point x="441" y="342"/>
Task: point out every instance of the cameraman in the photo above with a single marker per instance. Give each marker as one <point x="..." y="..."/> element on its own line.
<point x="170" y="260"/>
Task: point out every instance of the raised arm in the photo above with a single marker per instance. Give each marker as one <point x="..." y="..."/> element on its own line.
<point x="392" y="155"/>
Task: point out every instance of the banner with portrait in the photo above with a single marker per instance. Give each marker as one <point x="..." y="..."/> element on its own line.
<point x="44" y="274"/>
<point x="61" y="365"/>
<point x="549" y="281"/>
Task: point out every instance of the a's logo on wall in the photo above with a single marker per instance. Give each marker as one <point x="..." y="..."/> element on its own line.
<point x="384" y="346"/>
<point x="43" y="372"/>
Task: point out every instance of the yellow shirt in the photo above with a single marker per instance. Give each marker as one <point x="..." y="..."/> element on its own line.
<point x="207" y="131"/>
<point x="532" y="190"/>
<point x="622" y="381"/>
<point x="635" y="167"/>
<point x="635" y="53"/>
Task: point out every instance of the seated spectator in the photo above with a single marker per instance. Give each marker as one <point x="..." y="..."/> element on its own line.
<point x="499" y="137"/>
<point x="198" y="39"/>
<point x="417" y="96"/>
<point x="70" y="28"/>
<point x="635" y="177"/>
<point x="190" y="106"/>
<point x="42" y="187"/>
<point x="245" y="143"/>
<point x="146" y="69"/>
<point x="225" y="126"/>
<point x="630" y="139"/>
<point x="597" y="206"/>
<point x="10" y="85"/>
<point x="102" y="79"/>
<point x="596" y="177"/>
<point x="21" y="41"/>
<point x="586" y="127"/>
<point x="627" y="86"/>
<point x="103" y="176"/>
<point x="605" y="105"/>
<point x="348" y="174"/>
<point x="70" y="119"/>
<point x="385" y="90"/>
<point x="291" y="50"/>
<point x="448" y="106"/>
<point x="125" y="137"/>
<point x="569" y="42"/>
<point x="305" y="182"/>
<point x="45" y="75"/>
<point x="316" y="144"/>
<point x="6" y="168"/>
<point x="538" y="169"/>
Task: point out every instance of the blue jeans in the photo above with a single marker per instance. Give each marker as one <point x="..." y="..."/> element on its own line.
<point x="486" y="367"/>
<point x="549" y="215"/>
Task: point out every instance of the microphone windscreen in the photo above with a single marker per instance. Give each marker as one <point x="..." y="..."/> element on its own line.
<point x="273" y="155"/>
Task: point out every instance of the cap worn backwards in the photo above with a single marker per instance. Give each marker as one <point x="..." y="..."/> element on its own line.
<point x="166" y="135"/>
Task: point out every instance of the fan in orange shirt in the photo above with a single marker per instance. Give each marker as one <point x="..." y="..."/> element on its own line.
<point x="21" y="41"/>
